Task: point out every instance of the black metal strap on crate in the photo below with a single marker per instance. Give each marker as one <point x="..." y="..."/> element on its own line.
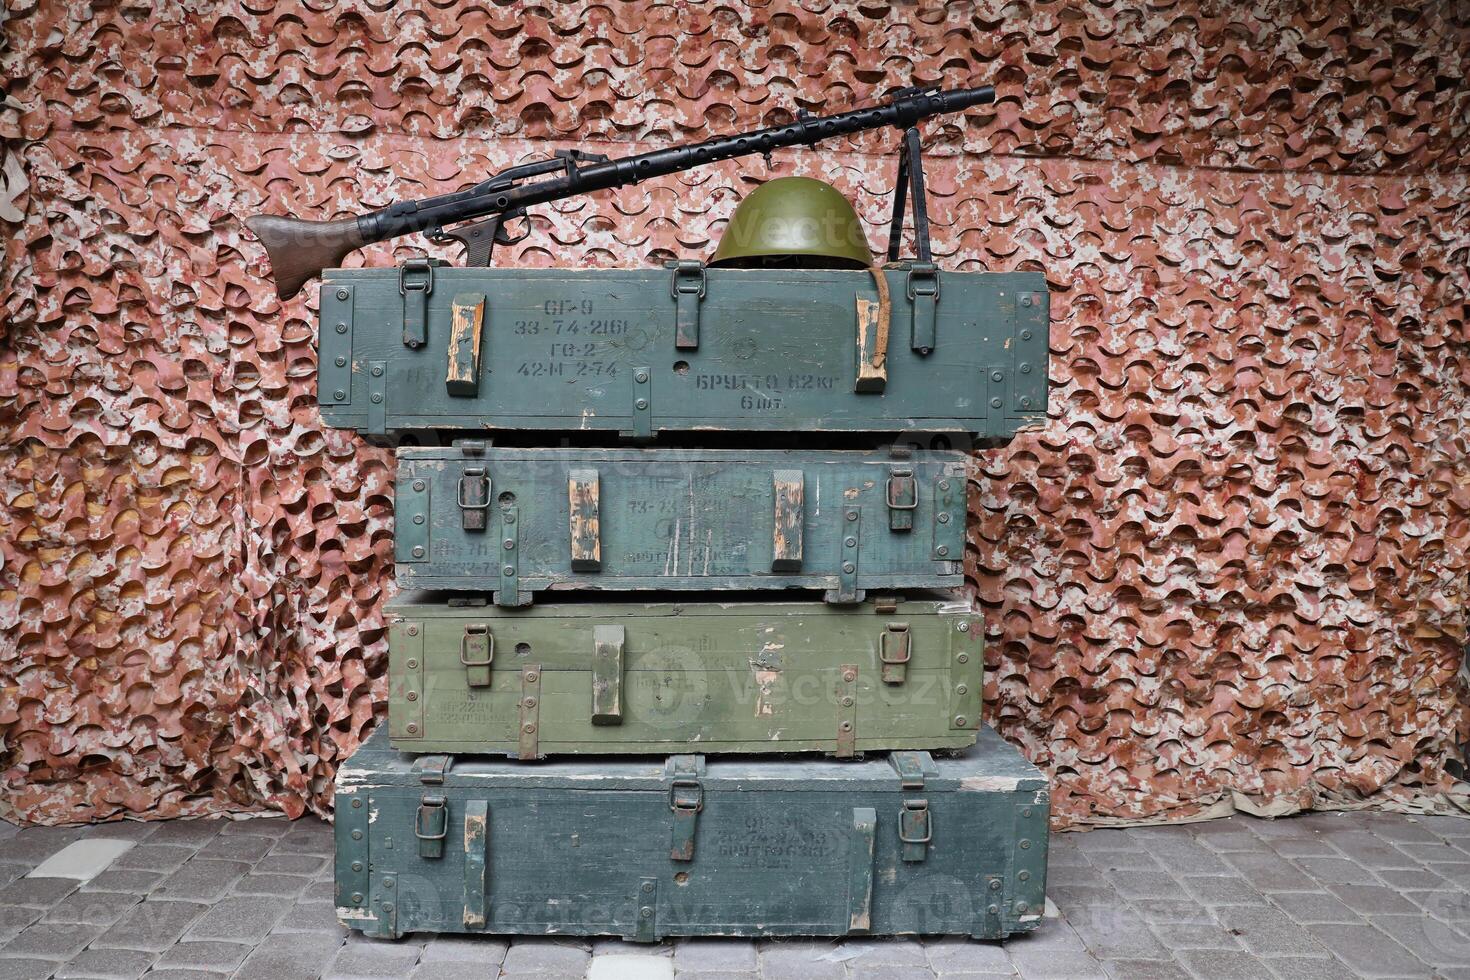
<point x="686" y="800"/>
<point x="415" y="283"/>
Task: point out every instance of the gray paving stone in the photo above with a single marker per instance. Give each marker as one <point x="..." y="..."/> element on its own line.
<point x="1145" y="970"/>
<point x="311" y="917"/>
<point x="1433" y="854"/>
<point x="14" y="918"/>
<point x="1334" y="870"/>
<point x="52" y="940"/>
<point x="1436" y="943"/>
<point x="1310" y="908"/>
<point x="275" y="964"/>
<point x="1306" y="968"/>
<point x="1447" y="906"/>
<point x="950" y="955"/>
<point x="1177" y="936"/>
<point x="1446" y="826"/>
<point x="466" y="949"/>
<point x="1222" y="890"/>
<point x="1403" y="829"/>
<point x="380" y="960"/>
<point x="10" y="872"/>
<point x="279" y="886"/>
<point x="96" y="908"/>
<point x="200" y="879"/>
<point x="540" y="956"/>
<point x="306" y="837"/>
<point x="1198" y="861"/>
<point x="1369" y="952"/>
<point x="20" y="969"/>
<point x="37" y="893"/>
<point x="1158" y="910"/>
<point x="189" y="833"/>
<point x="1108" y="839"/>
<point x="798" y="960"/>
<point x="32" y="845"/>
<point x="1055" y="934"/>
<point x="1294" y="847"/>
<point x="107" y="962"/>
<point x="239" y="920"/>
<point x="124" y="881"/>
<point x="901" y="951"/>
<point x="171" y="974"/>
<point x="238" y="847"/>
<point x="1080" y="897"/>
<point x="1221" y="964"/>
<point x="1046" y="965"/>
<point x="889" y="971"/>
<point x="154" y="857"/>
<point x="1373" y="899"/>
<point x="133" y="830"/>
<point x="211" y="956"/>
<point x="1383" y="857"/>
<point x="1234" y="841"/>
<point x="714" y="955"/>
<point x="319" y="891"/>
<point x="151" y="925"/>
<point x="1146" y="884"/>
<point x="1117" y="861"/>
<point x="1267" y="932"/>
<point x="1116" y="933"/>
<point x="1280" y="828"/>
<point x="1268" y="873"/>
<point x="457" y="970"/>
<point x="307" y="865"/>
<point x="1420" y="880"/>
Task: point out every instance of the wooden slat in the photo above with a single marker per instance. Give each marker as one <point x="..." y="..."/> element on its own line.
<point x="789" y="494"/>
<point x="466" y="315"/>
<point x="583" y="491"/>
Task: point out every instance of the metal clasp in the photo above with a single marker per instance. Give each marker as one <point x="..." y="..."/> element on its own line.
<point x="419" y="264"/>
<point x="476" y="629"/>
<point x="431" y="825"/>
<point x="691" y="801"/>
<point x="893" y="645"/>
<point x="913" y="822"/>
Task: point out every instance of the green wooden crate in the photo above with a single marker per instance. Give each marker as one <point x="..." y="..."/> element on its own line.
<point x="514" y="521"/>
<point x="906" y="844"/>
<point x="628" y="677"/>
<point x="433" y="347"/>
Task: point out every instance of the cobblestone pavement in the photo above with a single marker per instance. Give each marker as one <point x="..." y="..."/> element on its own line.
<point x="1322" y="896"/>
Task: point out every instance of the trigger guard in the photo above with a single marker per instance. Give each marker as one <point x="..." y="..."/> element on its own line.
<point x="504" y="237"/>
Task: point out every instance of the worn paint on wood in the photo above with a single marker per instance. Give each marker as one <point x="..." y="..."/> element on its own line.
<point x="466" y="314"/>
<point x="872" y="336"/>
<point x="635" y="677"/>
<point x="596" y="350"/>
<point x="619" y="519"/>
<point x="765" y="848"/>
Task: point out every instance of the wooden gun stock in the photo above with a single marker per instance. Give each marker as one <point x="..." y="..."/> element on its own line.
<point x="299" y="250"/>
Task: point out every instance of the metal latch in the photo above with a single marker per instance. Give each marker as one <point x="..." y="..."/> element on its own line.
<point x="474" y="499"/>
<point x="476" y="651"/>
<point x="415" y="283"/>
<point x="431" y="825"/>
<point x="895" y="650"/>
<point x="903" y="498"/>
<point x="914" y="829"/>
<point x="688" y="288"/>
<point x="922" y="288"/>
<point x="686" y="800"/>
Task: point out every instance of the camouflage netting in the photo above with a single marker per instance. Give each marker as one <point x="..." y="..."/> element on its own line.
<point x="1232" y="568"/>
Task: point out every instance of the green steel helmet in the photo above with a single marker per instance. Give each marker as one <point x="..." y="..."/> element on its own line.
<point x="794" y="222"/>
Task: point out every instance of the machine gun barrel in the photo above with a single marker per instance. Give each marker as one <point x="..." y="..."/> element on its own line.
<point x="299" y="250"/>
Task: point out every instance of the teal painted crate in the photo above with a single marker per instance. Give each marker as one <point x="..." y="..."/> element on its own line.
<point x="511" y="522"/>
<point x="902" y="845"/>
<point x="755" y="351"/>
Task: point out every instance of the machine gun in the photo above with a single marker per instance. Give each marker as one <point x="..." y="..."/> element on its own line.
<point x="299" y="250"/>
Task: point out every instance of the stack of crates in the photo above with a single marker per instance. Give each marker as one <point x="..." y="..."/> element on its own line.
<point x="730" y="688"/>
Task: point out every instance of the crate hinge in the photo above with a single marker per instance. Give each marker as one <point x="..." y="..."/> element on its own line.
<point x="377" y="411"/>
<point x="415" y="283"/>
<point x="642" y="403"/>
<point x="646" y="930"/>
<point x="903" y="498"/>
<point x="990" y="924"/>
<point x="852" y="531"/>
<point x="510" y="561"/>
<point x="607" y="674"/>
<point x="686" y="800"/>
<point x="530" y="713"/>
<point x="474" y="499"/>
<point x="949" y="518"/>
<point x="411" y="511"/>
<point x="915" y="826"/>
<point x="476" y="651"/>
<point x="688" y="288"/>
<point x="895" y="650"/>
<point x="922" y="288"/>
<point x="334" y="371"/>
<point x="847" y="712"/>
